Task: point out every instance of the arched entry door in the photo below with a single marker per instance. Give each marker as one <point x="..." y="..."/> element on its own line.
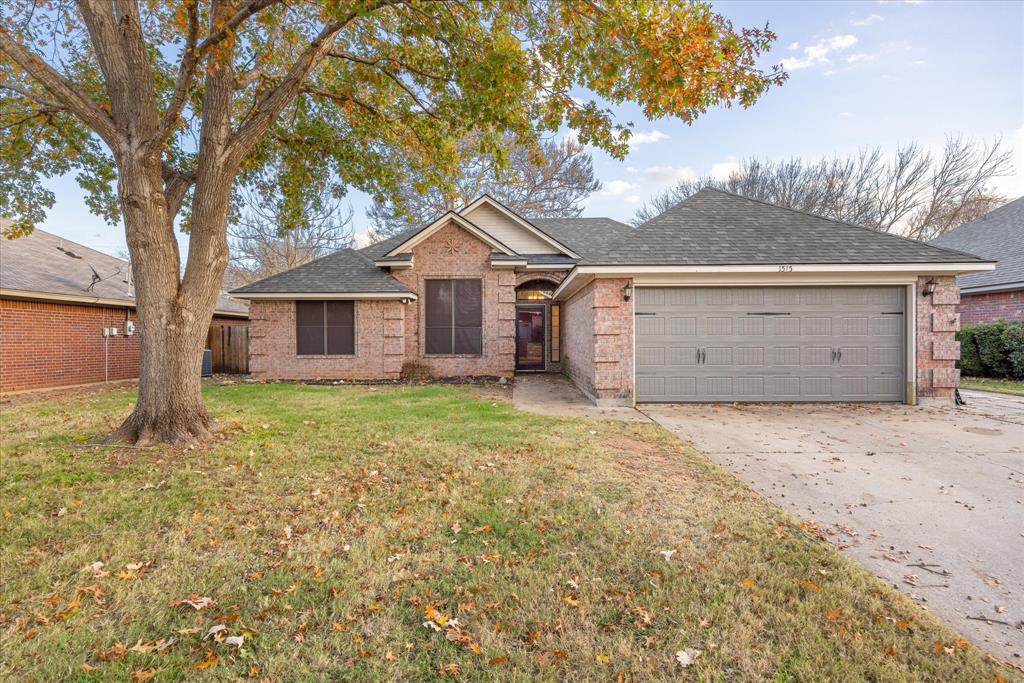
<point x="533" y="306"/>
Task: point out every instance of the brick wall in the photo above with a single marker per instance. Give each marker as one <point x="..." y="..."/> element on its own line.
<point x="598" y="341"/>
<point x="578" y="339"/>
<point x="992" y="306"/>
<point x="380" y="328"/>
<point x="44" y="344"/>
<point x="452" y="252"/>
<point x="937" y="347"/>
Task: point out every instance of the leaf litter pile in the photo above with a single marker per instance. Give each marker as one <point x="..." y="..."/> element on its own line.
<point x="417" y="533"/>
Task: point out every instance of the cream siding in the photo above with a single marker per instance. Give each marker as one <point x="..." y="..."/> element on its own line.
<point x="505" y="230"/>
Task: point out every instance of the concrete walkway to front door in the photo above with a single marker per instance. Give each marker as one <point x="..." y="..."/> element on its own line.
<point x="548" y="393"/>
<point x="930" y="499"/>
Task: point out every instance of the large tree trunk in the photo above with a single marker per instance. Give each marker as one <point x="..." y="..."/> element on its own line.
<point x="174" y="312"/>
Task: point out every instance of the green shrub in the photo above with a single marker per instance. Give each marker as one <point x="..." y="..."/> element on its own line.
<point x="970" y="361"/>
<point x="992" y="349"/>
<point x="1013" y="339"/>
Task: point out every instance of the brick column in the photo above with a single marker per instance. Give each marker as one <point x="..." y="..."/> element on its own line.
<point x="613" y="342"/>
<point x="394" y="338"/>
<point x="937" y="347"/>
<point x="506" y="319"/>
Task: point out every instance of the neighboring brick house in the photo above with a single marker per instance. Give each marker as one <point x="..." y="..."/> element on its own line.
<point x="721" y="298"/>
<point x="999" y="235"/>
<point x="55" y="323"/>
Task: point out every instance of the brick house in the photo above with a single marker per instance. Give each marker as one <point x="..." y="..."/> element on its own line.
<point x="60" y="328"/>
<point x="999" y="235"/>
<point x="721" y="298"/>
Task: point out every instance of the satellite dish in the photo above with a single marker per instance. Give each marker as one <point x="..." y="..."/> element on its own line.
<point x="95" y="278"/>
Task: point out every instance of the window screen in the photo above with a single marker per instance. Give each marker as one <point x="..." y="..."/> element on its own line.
<point x="453" y="317"/>
<point x="325" y="328"/>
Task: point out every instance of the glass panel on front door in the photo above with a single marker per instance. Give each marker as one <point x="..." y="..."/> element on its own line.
<point x="530" y="339"/>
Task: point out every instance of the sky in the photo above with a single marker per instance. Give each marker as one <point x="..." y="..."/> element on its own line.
<point x="862" y="74"/>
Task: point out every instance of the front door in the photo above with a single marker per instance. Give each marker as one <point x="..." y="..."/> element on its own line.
<point x="530" y="337"/>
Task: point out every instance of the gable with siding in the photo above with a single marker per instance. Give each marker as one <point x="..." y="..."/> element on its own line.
<point x="491" y="220"/>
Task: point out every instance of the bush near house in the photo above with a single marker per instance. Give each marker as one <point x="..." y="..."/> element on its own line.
<point x="992" y="349"/>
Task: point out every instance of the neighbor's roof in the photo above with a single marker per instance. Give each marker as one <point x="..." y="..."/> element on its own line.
<point x="714" y="227"/>
<point x="998" y="235"/>
<point x="42" y="265"/>
<point x="344" y="272"/>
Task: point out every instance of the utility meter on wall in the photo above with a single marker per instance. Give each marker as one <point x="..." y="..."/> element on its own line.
<point x="129" y="328"/>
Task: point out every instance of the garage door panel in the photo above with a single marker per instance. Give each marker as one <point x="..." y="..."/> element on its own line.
<point x="816" y="327"/>
<point x="650" y="357"/>
<point x="718" y="326"/>
<point x="751" y="356"/>
<point x="785" y="327"/>
<point x="682" y="356"/>
<point x="718" y="356"/>
<point x="795" y="333"/>
<point x="682" y="326"/>
<point x="650" y="326"/>
<point x="816" y="356"/>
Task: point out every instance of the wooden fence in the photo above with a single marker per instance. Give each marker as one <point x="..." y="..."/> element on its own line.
<point x="230" y="347"/>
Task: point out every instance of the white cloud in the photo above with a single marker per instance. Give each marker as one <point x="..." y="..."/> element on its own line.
<point x="818" y="54"/>
<point x="724" y="169"/>
<point x="669" y="175"/>
<point x="617" y="188"/>
<point x="868" y="20"/>
<point x="632" y="199"/>
<point x="646" y="138"/>
<point x="919" y="62"/>
<point x="860" y="57"/>
<point x="845" y="114"/>
<point x="793" y="46"/>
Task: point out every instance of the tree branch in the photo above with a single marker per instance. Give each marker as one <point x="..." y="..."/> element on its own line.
<point x="186" y="72"/>
<point x="274" y="102"/>
<point x="375" y="63"/>
<point x="25" y="92"/>
<point x="232" y="22"/>
<point x="69" y="96"/>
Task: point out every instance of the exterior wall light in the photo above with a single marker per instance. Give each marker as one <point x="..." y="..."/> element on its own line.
<point x="929" y="287"/>
<point x="627" y="291"/>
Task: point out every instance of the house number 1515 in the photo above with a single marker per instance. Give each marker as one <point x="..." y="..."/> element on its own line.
<point x="785" y="269"/>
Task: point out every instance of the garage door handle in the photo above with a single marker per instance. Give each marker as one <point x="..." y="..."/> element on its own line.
<point x="839" y="355"/>
<point x="833" y="355"/>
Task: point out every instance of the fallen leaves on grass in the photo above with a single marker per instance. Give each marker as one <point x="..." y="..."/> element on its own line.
<point x="194" y="601"/>
<point x="687" y="657"/>
<point x="209" y="659"/>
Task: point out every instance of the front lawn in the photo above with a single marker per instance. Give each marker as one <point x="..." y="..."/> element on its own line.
<point x="1000" y="386"/>
<point x="365" y="533"/>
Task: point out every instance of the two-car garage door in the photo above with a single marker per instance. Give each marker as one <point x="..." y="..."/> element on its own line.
<point x="770" y="343"/>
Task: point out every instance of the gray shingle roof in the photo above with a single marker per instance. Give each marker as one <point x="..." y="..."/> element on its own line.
<point x="375" y="251"/>
<point x="713" y="227"/>
<point x="588" y="237"/>
<point x="998" y="235"/>
<point x="344" y="271"/>
<point x="44" y="263"/>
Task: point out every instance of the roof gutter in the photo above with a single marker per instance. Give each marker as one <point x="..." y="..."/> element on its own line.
<point x="589" y="272"/>
<point x="91" y="300"/>
<point x="409" y="296"/>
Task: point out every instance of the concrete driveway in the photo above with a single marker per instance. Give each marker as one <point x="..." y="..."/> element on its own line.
<point x="930" y="499"/>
